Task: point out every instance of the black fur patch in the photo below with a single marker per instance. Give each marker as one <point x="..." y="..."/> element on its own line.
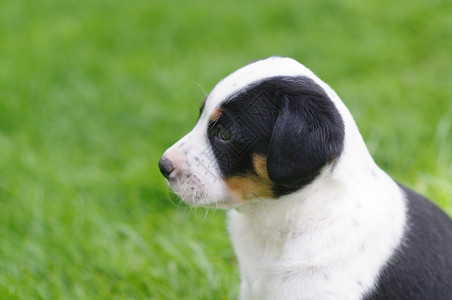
<point x="422" y="267"/>
<point x="290" y="120"/>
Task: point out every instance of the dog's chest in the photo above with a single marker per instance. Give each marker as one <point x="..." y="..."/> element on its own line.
<point x="332" y="260"/>
<point x="281" y="269"/>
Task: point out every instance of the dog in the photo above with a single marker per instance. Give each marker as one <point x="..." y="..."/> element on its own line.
<point x="311" y="215"/>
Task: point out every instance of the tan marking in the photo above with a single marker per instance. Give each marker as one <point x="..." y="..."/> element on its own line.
<point x="203" y="103"/>
<point x="215" y="115"/>
<point x="249" y="186"/>
<point x="260" y="166"/>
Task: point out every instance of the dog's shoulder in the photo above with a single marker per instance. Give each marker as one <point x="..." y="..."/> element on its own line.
<point x="421" y="268"/>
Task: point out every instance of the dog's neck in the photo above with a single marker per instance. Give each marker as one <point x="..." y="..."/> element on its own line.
<point x="290" y="215"/>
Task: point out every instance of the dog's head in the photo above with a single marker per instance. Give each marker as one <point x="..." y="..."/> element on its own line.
<point x="265" y="131"/>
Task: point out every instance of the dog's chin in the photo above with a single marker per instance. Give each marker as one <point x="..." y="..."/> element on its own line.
<point x="208" y="203"/>
<point x="199" y="198"/>
<point x="196" y="197"/>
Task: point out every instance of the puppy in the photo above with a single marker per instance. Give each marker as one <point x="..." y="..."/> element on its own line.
<point x="311" y="216"/>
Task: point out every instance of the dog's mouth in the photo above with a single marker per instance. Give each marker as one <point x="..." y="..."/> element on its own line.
<point x="189" y="188"/>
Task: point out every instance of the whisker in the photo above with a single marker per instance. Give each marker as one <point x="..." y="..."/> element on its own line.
<point x="200" y="87"/>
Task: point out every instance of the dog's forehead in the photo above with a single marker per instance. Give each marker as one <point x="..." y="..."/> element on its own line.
<point x="251" y="73"/>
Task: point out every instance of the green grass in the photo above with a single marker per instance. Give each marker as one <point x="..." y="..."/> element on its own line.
<point x="93" y="92"/>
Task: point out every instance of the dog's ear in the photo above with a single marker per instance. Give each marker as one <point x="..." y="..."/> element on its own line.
<point x="307" y="135"/>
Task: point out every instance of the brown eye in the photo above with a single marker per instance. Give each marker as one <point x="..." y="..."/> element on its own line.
<point x="220" y="132"/>
<point x="225" y="135"/>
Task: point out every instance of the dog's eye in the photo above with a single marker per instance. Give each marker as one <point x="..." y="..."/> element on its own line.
<point x="225" y="135"/>
<point x="220" y="132"/>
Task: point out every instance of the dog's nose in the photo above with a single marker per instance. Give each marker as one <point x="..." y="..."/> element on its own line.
<point x="166" y="166"/>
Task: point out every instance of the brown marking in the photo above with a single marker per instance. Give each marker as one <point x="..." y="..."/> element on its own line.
<point x="215" y="115"/>
<point x="260" y="166"/>
<point x="203" y="103"/>
<point x="249" y="186"/>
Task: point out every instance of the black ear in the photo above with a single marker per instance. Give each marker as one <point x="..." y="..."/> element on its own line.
<point x="307" y="135"/>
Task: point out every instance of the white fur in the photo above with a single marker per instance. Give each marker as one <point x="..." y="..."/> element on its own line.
<point x="327" y="241"/>
<point x="196" y="178"/>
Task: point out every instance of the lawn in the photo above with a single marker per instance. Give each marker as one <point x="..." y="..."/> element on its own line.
<point x="93" y="92"/>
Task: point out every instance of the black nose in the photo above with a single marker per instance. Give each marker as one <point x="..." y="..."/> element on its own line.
<point x="166" y="166"/>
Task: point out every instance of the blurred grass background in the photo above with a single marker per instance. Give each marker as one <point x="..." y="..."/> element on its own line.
<point x="93" y="92"/>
